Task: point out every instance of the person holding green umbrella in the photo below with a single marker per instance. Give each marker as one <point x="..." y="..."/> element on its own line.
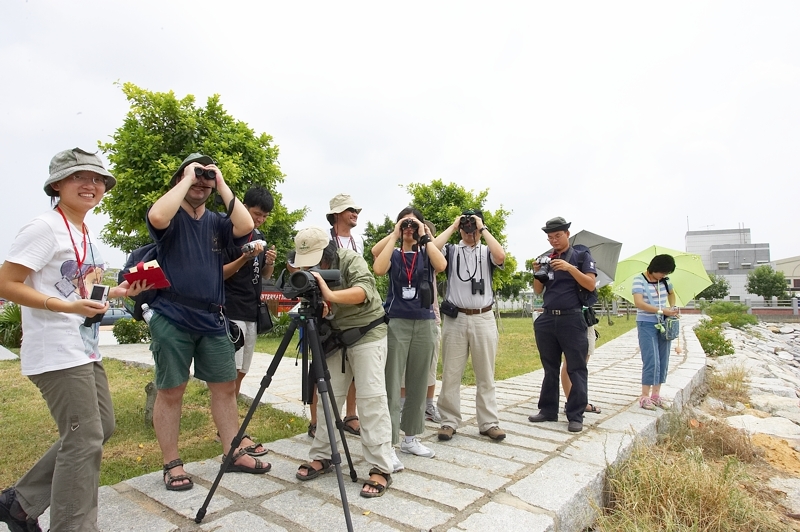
<point x="654" y="297"/>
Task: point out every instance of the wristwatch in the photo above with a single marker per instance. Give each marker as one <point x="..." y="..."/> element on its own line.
<point x="482" y="229"/>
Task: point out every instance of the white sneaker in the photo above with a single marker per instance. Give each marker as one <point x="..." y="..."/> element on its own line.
<point x="432" y="414"/>
<point x="397" y="465"/>
<point x="415" y="447"/>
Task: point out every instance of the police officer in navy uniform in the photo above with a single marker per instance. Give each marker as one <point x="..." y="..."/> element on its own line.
<point x="562" y="328"/>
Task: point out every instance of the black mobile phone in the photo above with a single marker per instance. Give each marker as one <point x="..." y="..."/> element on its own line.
<point x="99" y="293"/>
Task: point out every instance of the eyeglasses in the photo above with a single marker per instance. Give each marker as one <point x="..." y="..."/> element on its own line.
<point x="351" y="209"/>
<point x="554" y="236"/>
<point x="86" y="179"/>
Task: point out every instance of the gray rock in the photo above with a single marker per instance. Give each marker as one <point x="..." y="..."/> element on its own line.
<point x="714" y="404"/>
<point x="773" y="403"/>
<point x="791" y="487"/>
<point x="773" y="426"/>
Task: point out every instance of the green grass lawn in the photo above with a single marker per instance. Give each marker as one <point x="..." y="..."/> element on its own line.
<point x="28" y="429"/>
<point x="516" y="355"/>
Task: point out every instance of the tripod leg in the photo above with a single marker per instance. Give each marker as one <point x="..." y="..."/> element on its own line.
<point x="328" y="403"/>
<point x="237" y="440"/>
<point x="323" y="378"/>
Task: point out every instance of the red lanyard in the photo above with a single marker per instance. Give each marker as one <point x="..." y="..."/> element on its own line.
<point x="78" y="258"/>
<point x="409" y="271"/>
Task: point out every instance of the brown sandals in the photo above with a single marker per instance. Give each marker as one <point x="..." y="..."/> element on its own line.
<point x="172" y="481"/>
<point x="259" y="469"/>
<point x="375" y="484"/>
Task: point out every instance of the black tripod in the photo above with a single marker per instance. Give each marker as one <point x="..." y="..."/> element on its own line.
<point x="306" y="321"/>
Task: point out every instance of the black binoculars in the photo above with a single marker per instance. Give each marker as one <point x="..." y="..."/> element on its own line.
<point x="205" y="173"/>
<point x="408" y="224"/>
<point x="478" y="286"/>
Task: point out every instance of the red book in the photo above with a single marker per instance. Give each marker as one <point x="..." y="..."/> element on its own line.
<point x="151" y="272"/>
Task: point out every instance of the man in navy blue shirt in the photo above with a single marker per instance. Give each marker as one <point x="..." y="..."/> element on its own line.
<point x="187" y="323"/>
<point x="562" y="328"/>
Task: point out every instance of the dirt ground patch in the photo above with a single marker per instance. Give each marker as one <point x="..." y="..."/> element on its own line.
<point x="778" y="453"/>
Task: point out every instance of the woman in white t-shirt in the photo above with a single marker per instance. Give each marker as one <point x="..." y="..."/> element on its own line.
<point x="49" y="271"/>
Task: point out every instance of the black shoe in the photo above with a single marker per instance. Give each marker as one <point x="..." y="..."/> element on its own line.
<point x="575" y="426"/>
<point x="7" y="499"/>
<point x="539" y="418"/>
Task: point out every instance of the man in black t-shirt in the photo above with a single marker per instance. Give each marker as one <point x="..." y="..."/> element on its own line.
<point x="243" y="272"/>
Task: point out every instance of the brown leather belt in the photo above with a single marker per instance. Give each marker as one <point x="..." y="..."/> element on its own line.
<point x="471" y="311"/>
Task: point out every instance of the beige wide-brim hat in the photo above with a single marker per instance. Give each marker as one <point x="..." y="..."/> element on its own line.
<point x="340" y="203"/>
<point x="308" y="246"/>
<point x="67" y="162"/>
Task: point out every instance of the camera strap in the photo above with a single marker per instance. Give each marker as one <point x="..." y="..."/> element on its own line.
<point x="350" y="337"/>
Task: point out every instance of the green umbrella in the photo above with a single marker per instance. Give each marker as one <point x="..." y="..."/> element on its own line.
<point x="688" y="279"/>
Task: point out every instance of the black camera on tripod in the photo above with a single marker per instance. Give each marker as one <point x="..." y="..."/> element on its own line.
<point x="205" y="173"/>
<point x="302" y="284"/>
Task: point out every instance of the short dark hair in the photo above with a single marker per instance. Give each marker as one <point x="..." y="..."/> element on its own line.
<point x="328" y="254"/>
<point x="662" y="264"/>
<point x="470" y="212"/>
<point x="260" y="198"/>
<point x="412" y="211"/>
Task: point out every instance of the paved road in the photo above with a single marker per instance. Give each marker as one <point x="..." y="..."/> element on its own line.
<point x="540" y="478"/>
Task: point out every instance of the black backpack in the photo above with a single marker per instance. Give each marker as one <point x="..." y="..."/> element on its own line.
<point x="134" y="304"/>
<point x="587" y="297"/>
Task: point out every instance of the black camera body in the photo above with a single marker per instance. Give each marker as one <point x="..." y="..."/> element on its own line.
<point x="302" y="284"/>
<point x="478" y="286"/>
<point x="543" y="274"/>
<point x="205" y="173"/>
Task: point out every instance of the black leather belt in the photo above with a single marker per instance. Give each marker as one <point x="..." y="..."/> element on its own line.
<point x="471" y="311"/>
<point x="556" y="312"/>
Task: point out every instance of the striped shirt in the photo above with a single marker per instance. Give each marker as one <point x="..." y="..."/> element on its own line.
<point x="654" y="294"/>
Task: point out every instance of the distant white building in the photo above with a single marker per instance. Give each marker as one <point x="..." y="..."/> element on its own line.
<point x="791" y="270"/>
<point x="731" y="254"/>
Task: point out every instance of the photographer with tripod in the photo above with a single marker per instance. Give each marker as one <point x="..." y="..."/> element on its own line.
<point x="356" y="307"/>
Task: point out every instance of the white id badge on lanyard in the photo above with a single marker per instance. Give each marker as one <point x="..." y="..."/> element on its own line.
<point x="409" y="292"/>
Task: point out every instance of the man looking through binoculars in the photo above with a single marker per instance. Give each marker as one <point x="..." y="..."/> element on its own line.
<point x="468" y="325"/>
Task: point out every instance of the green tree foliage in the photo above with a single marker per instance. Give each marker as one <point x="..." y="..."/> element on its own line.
<point x="766" y="282"/>
<point x="11" y="325"/>
<point x="730" y="312"/>
<point x="373" y="234"/>
<point x="159" y="131"/>
<point x="441" y="203"/>
<point x="720" y="287"/>
<point x="605" y="295"/>
<point x="519" y="282"/>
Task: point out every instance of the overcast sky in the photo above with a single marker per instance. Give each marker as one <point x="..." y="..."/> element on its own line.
<point x="634" y="120"/>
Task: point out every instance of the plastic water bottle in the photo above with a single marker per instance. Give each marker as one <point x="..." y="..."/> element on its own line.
<point x="147" y="312"/>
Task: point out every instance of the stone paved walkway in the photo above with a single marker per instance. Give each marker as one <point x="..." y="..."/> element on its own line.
<point x="541" y="478"/>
